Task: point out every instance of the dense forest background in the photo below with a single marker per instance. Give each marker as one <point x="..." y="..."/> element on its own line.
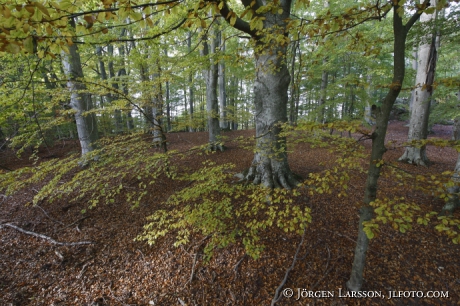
<point x="244" y="141"/>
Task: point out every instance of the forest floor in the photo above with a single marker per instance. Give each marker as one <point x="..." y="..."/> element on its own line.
<point x="116" y="270"/>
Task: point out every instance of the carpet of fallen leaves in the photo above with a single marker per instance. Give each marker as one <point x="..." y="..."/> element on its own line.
<point x="116" y="270"/>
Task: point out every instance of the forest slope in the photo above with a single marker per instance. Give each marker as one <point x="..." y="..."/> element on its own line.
<point x="116" y="270"/>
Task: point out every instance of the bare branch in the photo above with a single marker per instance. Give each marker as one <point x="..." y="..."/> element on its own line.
<point x="45" y="237"/>
<point x="277" y="296"/>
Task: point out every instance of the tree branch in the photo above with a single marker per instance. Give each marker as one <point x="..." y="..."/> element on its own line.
<point x="415" y="17"/>
<point x="240" y="24"/>
<point x="45" y="237"/>
<point x="277" y="296"/>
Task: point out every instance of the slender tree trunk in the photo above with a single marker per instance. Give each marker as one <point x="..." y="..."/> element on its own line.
<point x="210" y="75"/>
<point x="324" y="81"/>
<point x="159" y="137"/>
<point x="122" y="73"/>
<point x="378" y="146"/>
<point x="418" y="126"/>
<point x="167" y="102"/>
<point x="80" y="101"/>
<point x="294" y="85"/>
<point x="191" y="93"/>
<point x="223" y="122"/>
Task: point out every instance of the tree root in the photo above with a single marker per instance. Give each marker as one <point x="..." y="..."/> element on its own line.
<point x="45" y="237"/>
<point x="415" y="156"/>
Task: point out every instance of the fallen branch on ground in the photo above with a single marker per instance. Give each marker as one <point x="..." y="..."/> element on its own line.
<point x="277" y="296"/>
<point x="235" y="267"/>
<point x="45" y="237"/>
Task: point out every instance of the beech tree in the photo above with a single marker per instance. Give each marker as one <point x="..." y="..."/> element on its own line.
<point x="80" y="101"/>
<point x="400" y="31"/>
<point x="427" y="57"/>
<point x="268" y="30"/>
<point x="210" y="75"/>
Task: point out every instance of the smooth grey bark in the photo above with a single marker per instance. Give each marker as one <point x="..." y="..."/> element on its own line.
<point x="415" y="67"/>
<point x="223" y="122"/>
<point x="167" y="101"/>
<point x="378" y="146"/>
<point x="232" y="112"/>
<point x="269" y="166"/>
<point x="210" y="75"/>
<point x="159" y="138"/>
<point x="191" y="93"/>
<point x="122" y="73"/>
<point x="294" y="87"/>
<point x="418" y="125"/>
<point x="115" y="85"/>
<point x="80" y="100"/>
<point x="323" y="89"/>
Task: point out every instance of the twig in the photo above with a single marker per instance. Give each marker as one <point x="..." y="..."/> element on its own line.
<point x="45" y="237"/>
<point x="46" y="214"/>
<point x="73" y="223"/>
<point x="277" y="296"/>
<point x="83" y="270"/>
<point x="142" y="254"/>
<point x="235" y="267"/>
<point x="192" y="275"/>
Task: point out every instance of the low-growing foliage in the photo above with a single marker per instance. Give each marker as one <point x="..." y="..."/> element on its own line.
<point x="214" y="204"/>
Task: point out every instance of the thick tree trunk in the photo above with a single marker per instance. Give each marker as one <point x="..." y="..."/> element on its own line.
<point x="80" y="101"/>
<point x="378" y="146"/>
<point x="418" y="126"/>
<point x="270" y="166"/>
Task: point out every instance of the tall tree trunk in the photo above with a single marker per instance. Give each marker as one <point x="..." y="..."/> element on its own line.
<point x="294" y="89"/>
<point x="80" y="101"/>
<point x="415" y="67"/>
<point x="122" y="73"/>
<point x="366" y="212"/>
<point x="210" y="75"/>
<point x="223" y="122"/>
<point x="232" y="101"/>
<point x="159" y="137"/>
<point x="115" y="85"/>
<point x="191" y="93"/>
<point x="270" y="166"/>
<point x="324" y="80"/>
<point x="167" y="102"/>
<point x="418" y="126"/>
